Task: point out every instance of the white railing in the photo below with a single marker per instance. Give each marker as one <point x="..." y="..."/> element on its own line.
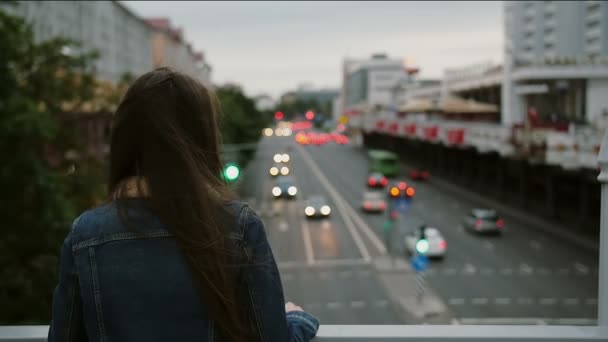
<point x="445" y="333"/>
<point x="401" y="333"/>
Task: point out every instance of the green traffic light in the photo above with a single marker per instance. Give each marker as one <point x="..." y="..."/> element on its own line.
<point x="422" y="246"/>
<point x="231" y="172"/>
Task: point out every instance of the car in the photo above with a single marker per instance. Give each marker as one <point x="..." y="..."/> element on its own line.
<point x="373" y="201"/>
<point x="483" y="221"/>
<point x="434" y="247"/>
<point x="376" y="180"/>
<point x="284" y="188"/>
<point x="317" y="207"/>
<point x="279" y="169"/>
<point x="281" y="158"/>
<point x="417" y="174"/>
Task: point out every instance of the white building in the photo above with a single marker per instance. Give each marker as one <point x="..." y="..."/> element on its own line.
<point x="555" y="61"/>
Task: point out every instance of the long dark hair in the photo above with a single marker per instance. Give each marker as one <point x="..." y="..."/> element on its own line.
<point x="166" y="136"/>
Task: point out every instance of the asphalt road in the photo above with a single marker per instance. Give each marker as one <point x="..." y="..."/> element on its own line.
<point x="328" y="266"/>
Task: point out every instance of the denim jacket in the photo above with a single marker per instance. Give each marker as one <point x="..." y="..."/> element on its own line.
<point x="117" y="284"/>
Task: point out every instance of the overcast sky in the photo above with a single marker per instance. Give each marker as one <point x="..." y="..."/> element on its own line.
<point x="271" y="47"/>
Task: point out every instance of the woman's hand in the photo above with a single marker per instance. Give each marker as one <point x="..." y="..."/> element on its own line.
<point x="289" y="306"/>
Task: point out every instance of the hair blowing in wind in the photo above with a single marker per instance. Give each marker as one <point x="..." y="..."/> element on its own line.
<point x="166" y="137"/>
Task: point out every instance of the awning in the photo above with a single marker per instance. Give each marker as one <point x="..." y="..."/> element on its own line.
<point x="458" y="105"/>
<point x="418" y="106"/>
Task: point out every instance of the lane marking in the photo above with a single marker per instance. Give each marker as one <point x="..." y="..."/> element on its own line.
<point x="479" y="301"/>
<point x="344" y="208"/>
<point x="381" y="303"/>
<point x="591" y="301"/>
<point x="582" y="269"/>
<point x="456" y="301"/>
<point x="548" y="301"/>
<point x="525" y="269"/>
<point x="469" y="269"/>
<point x="334" y="305"/>
<point x="525" y="301"/>
<point x="571" y="301"/>
<point x="310" y="257"/>
<point x="339" y="203"/>
<point x="357" y="304"/>
<point x="502" y="301"/>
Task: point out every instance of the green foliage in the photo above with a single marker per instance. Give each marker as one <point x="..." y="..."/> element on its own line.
<point x="36" y="209"/>
<point x="242" y="123"/>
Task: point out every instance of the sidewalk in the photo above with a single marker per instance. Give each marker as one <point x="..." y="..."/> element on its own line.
<point x="536" y="222"/>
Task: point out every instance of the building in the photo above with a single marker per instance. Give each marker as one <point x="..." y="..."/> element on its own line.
<point x="169" y="48"/>
<point x="126" y="43"/>
<point x="121" y="37"/>
<point x="369" y="83"/>
<point x="555" y="61"/>
<point x="265" y="102"/>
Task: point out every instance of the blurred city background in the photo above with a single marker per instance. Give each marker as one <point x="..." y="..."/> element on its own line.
<point x="413" y="162"/>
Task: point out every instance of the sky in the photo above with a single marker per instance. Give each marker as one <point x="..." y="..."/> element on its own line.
<point x="271" y="47"/>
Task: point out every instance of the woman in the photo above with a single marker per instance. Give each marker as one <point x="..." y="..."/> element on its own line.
<point x="171" y="257"/>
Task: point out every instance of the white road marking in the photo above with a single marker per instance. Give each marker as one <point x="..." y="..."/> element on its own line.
<point x="469" y="269"/>
<point x="548" y="301"/>
<point x="479" y="301"/>
<point x="357" y="304"/>
<point x="334" y="305"/>
<point x="582" y="269"/>
<point x="525" y="301"/>
<point x="502" y="301"/>
<point x="312" y="306"/>
<point x="456" y="301"/>
<point x="310" y="257"/>
<point x="535" y="245"/>
<point x="591" y="301"/>
<point x="340" y="203"/>
<point x="525" y="269"/>
<point x="571" y="301"/>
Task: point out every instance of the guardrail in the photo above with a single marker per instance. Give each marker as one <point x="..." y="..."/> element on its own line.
<point x="445" y="333"/>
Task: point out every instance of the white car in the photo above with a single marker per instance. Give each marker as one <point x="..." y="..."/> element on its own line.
<point x="434" y="247"/>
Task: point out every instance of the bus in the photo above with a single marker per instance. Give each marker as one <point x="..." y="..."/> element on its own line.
<point x="384" y="162"/>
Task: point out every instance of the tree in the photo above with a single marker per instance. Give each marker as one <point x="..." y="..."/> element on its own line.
<point x="241" y="122"/>
<point x="36" y="80"/>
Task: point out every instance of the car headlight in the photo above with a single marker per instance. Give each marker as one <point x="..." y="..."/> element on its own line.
<point x="287" y="132"/>
<point x="285" y="158"/>
<point x="274" y="171"/>
<point x="278" y="132"/>
<point x="292" y="191"/>
<point x="277" y="158"/>
<point x="325" y="210"/>
<point x="309" y="211"/>
<point x="268" y="132"/>
<point x="276" y="191"/>
<point x="284" y="170"/>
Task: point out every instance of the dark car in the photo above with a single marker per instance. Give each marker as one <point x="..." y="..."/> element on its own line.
<point x="284" y="188"/>
<point x="483" y="221"/>
<point x="317" y="206"/>
<point x="376" y="180"/>
<point x="417" y="174"/>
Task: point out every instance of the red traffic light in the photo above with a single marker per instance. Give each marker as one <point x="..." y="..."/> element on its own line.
<point x="278" y="115"/>
<point x="310" y="115"/>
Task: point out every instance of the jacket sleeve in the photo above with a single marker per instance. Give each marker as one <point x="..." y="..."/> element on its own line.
<point x="67" y="321"/>
<point x="266" y="292"/>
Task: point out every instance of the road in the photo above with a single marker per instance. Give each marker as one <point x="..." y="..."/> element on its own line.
<point x="331" y="267"/>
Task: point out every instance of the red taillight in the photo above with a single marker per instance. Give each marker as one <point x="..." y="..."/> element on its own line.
<point x="384" y="181"/>
<point x="402" y="185"/>
<point x="367" y="205"/>
<point x="425" y="174"/>
<point x="443" y="244"/>
<point x="478" y="223"/>
<point x="500" y="223"/>
<point x="371" y="181"/>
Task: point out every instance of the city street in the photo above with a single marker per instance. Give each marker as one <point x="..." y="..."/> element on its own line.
<point x="338" y="267"/>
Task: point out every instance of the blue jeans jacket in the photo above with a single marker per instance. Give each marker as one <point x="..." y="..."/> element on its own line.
<point x="120" y="284"/>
